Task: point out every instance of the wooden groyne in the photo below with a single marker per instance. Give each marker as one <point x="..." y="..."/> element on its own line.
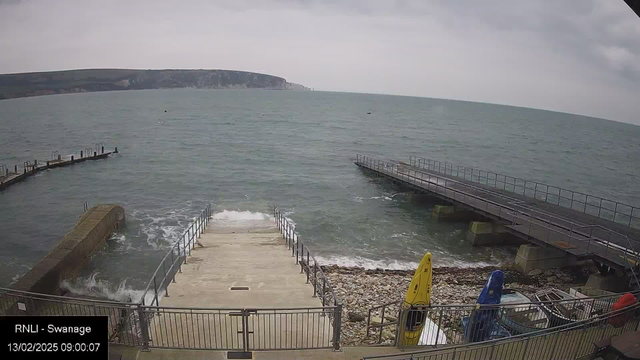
<point x="10" y="176"/>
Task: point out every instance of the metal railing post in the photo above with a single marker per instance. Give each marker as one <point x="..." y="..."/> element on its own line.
<point x="308" y="269"/>
<point x="144" y="329"/>
<point x="324" y="288"/>
<point x="301" y="258"/>
<point x="184" y="245"/>
<point x="315" y="277"/>
<point x="296" y="247"/>
<point x="155" y="291"/>
<point x="337" y="326"/>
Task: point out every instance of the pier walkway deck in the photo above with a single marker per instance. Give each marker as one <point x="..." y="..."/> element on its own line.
<point x="536" y="220"/>
<point x="28" y="168"/>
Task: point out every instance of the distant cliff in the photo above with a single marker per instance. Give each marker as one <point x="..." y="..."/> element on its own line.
<point x="71" y="81"/>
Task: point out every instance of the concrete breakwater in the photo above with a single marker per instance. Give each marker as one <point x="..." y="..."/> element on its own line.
<point x="15" y="174"/>
<point x="74" y="250"/>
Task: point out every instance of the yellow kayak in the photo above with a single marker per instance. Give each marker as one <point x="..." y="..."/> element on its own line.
<point x="418" y="296"/>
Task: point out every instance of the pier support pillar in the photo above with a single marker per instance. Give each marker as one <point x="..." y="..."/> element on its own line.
<point x="615" y="282"/>
<point x="486" y="233"/>
<point x="531" y="257"/>
<point x="452" y="213"/>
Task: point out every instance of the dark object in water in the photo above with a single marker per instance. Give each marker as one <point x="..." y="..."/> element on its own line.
<point x="165" y="111"/>
<point x="483" y="321"/>
<point x="368" y="113"/>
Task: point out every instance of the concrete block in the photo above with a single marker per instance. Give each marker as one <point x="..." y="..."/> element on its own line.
<point x="75" y="248"/>
<point x="531" y="257"/>
<point x="609" y="282"/>
<point x="448" y="212"/>
<point x="485" y="233"/>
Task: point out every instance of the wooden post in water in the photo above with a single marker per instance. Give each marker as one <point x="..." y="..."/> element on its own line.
<point x="71" y="157"/>
<point x="103" y="149"/>
<point x="81" y="156"/>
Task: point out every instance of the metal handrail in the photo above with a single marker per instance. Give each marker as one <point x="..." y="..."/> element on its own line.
<point x="579" y="325"/>
<point x="178" y="254"/>
<point x="382" y="166"/>
<point x="635" y="293"/>
<point x="458" y="309"/>
<point x="299" y="249"/>
<point x="492" y="177"/>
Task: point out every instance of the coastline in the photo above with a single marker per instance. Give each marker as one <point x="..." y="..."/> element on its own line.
<point x="360" y="289"/>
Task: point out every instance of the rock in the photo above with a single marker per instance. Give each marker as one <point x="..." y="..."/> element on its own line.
<point x="551" y="279"/>
<point x="390" y="318"/>
<point x="388" y="335"/>
<point x="548" y="272"/>
<point x="355" y="317"/>
<point x="534" y="272"/>
<point x="375" y="320"/>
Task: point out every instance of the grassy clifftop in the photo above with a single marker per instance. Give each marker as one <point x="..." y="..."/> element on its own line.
<point x="70" y="81"/>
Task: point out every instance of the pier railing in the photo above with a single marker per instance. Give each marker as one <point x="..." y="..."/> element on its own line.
<point x="589" y="204"/>
<point x="308" y="264"/>
<point x="579" y="239"/>
<point x="566" y="342"/>
<point x="11" y="175"/>
<point x="172" y="262"/>
<point x="454" y="324"/>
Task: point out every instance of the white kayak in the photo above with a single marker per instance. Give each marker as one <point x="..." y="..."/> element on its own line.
<point x="431" y="332"/>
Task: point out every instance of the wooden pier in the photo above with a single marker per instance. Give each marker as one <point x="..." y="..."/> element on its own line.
<point x="612" y="242"/>
<point x="10" y="176"/>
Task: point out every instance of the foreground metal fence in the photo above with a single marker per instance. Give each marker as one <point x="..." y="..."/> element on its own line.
<point x="578" y="239"/>
<point x="191" y="328"/>
<point x="125" y="321"/>
<point x="242" y="329"/>
<point x="446" y="325"/>
<point x="172" y="262"/>
<point x="593" y="205"/>
<point x="567" y="342"/>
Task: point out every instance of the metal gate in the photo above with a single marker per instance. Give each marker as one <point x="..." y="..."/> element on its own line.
<point x="242" y="330"/>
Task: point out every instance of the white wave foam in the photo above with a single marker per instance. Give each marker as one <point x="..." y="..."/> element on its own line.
<point x="169" y="233"/>
<point x="232" y="215"/>
<point x="121" y="240"/>
<point x="357" y="199"/>
<point x="359" y="261"/>
<point x="366" y="263"/>
<point x="398" y="235"/>
<point x="384" y="198"/>
<point x="91" y="286"/>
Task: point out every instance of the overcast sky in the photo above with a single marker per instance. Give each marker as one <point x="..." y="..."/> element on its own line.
<point x="578" y="56"/>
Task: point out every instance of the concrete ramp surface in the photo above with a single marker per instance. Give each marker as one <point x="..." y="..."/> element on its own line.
<point x="241" y="286"/>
